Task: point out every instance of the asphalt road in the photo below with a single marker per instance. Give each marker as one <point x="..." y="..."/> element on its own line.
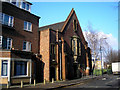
<point x="107" y="82"/>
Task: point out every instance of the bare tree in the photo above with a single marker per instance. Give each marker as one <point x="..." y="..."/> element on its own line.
<point x="92" y="39"/>
<point x="96" y="43"/>
<point x="112" y="56"/>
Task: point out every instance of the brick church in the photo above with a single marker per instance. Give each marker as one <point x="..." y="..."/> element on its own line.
<point x="64" y="50"/>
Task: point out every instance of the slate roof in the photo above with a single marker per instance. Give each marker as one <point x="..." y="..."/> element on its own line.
<point x="56" y="26"/>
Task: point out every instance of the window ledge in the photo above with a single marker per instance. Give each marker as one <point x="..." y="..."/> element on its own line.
<point x="4" y="76"/>
<point x="26" y="51"/>
<point x="21" y="76"/>
<point x="27" y="31"/>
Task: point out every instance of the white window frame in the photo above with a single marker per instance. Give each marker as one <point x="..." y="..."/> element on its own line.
<point x="25" y="6"/>
<point x="9" y="24"/>
<point x="10" y="1"/>
<point x="5" y="0"/>
<point x="28" y="26"/>
<point x="28" y="46"/>
<point x="9" y="44"/>
<point x="15" y="1"/>
<point x="2" y="68"/>
<point x="1" y="17"/>
<point x="1" y="37"/>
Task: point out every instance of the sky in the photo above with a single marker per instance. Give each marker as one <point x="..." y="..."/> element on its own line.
<point x="102" y="16"/>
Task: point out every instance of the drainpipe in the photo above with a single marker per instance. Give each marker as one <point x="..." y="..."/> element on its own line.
<point x="30" y="71"/>
<point x="60" y="66"/>
<point x="60" y="61"/>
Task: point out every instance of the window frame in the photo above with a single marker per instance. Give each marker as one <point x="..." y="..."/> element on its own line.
<point x="6" y="68"/>
<point x="6" y="43"/>
<point x="1" y="38"/>
<point x="75" y="25"/>
<point x="24" y="44"/>
<point x="21" y="63"/>
<point x="27" y="27"/>
<point x="25" y="6"/>
<point x="9" y="44"/>
<point x="28" y="46"/>
<point x="13" y="1"/>
<point x="1" y="17"/>
<point x="29" y="7"/>
<point x="53" y="49"/>
<point x="9" y="20"/>
<point x="79" y="48"/>
<point x="74" y="46"/>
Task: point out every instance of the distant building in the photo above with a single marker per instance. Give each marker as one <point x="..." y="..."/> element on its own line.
<point x="98" y="64"/>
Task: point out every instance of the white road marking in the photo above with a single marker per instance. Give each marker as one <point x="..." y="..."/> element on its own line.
<point x="109" y="82"/>
<point x="118" y="78"/>
<point x="98" y="87"/>
<point x="103" y="78"/>
<point x="73" y="85"/>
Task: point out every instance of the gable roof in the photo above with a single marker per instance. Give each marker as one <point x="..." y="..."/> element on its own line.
<point x="66" y="21"/>
<point x="57" y="26"/>
<point x="61" y="25"/>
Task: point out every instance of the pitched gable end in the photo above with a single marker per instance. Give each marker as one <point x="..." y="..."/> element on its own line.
<point x="68" y="18"/>
<point x="77" y="22"/>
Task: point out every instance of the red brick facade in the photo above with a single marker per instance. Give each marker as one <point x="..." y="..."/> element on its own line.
<point x="65" y="65"/>
<point x="18" y="36"/>
<point x="17" y="32"/>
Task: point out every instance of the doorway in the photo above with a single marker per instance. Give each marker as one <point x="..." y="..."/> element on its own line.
<point x="52" y="73"/>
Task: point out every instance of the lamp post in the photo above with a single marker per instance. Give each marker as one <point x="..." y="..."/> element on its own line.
<point x="101" y="54"/>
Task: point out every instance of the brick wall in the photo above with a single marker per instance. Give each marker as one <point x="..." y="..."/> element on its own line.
<point x="17" y="33"/>
<point x="45" y="52"/>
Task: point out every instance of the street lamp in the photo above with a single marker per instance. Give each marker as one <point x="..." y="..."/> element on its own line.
<point x="101" y="54"/>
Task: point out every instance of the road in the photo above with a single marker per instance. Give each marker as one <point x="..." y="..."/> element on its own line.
<point x="107" y="82"/>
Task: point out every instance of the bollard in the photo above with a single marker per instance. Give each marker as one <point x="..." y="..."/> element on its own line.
<point x="21" y="84"/>
<point x="8" y="85"/>
<point x="52" y="80"/>
<point x="44" y="81"/>
<point x="34" y="82"/>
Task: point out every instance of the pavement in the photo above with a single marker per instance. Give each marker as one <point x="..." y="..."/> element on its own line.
<point x="56" y="84"/>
